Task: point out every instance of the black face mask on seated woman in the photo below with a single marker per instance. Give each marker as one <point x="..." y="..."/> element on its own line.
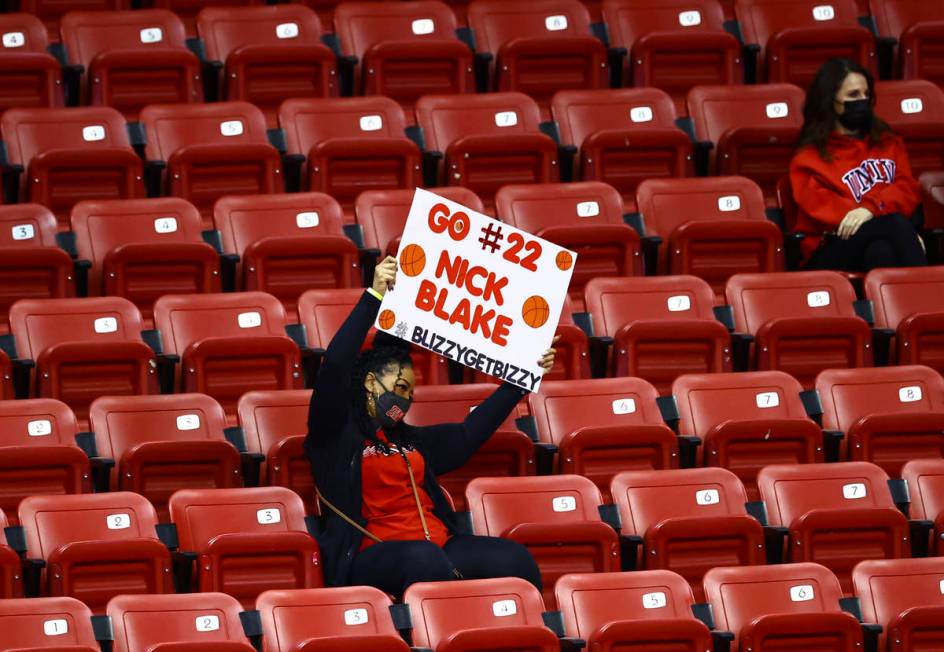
<point x="390" y="407"/>
<point x="856" y="115"/>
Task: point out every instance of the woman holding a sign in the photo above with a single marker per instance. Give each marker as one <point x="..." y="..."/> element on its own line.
<point x="851" y="178"/>
<point x="388" y="523"/>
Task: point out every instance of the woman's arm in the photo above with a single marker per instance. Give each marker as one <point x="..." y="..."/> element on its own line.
<point x="814" y="196"/>
<point x="902" y="195"/>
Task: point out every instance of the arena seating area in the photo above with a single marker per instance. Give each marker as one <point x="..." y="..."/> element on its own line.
<point x="729" y="454"/>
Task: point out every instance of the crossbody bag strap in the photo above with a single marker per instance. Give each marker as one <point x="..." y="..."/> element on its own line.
<point x="347" y="519"/>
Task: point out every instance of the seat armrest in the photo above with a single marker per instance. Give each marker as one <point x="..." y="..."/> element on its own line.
<point x="544" y="454"/>
<point x="630" y="545"/>
<point x="599" y="354"/>
<point x="292" y="171"/>
<point x="741" y="350"/>
<point x="775" y="538"/>
<point x="431" y="161"/>
<point x="921" y="533"/>
<point x="688" y="451"/>
<point x="831" y="441"/>
<point x="483" y="63"/>
<point x="750" y="53"/>
<point x="615" y="57"/>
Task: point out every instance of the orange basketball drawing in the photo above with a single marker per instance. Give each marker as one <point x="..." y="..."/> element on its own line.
<point x="564" y="260"/>
<point x="412" y="260"/>
<point x="386" y="319"/>
<point x="535" y="311"/>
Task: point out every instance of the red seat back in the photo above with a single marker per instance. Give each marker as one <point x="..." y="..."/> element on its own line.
<point x="897" y="294"/>
<point x="29" y="75"/>
<point x="31" y="622"/>
<point x="909" y="108"/>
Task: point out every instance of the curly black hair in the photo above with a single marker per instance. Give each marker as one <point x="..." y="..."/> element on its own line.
<point x="387" y="353"/>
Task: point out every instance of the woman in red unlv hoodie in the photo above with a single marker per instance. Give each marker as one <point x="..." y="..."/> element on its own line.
<point x="851" y="178"/>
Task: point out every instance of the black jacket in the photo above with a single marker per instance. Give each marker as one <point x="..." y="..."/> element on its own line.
<point x="335" y="446"/>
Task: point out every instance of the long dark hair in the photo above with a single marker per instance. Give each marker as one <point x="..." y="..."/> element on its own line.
<point x="386" y="354"/>
<point x="819" y="116"/>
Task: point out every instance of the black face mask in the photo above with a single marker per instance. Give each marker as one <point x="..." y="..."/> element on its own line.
<point x="390" y="408"/>
<point x="856" y="115"/>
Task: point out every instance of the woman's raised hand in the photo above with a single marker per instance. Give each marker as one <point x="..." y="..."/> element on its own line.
<point x="385" y="275"/>
<point x="547" y="360"/>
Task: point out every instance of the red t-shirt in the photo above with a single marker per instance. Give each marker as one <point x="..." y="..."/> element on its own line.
<point x="389" y="504"/>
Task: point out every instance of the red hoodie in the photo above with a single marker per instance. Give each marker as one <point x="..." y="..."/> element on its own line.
<point x="860" y="174"/>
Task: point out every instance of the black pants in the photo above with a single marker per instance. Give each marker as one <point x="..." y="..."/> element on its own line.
<point x="884" y="241"/>
<point x="392" y="566"/>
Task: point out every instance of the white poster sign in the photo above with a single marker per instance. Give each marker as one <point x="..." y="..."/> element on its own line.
<point x="476" y="290"/>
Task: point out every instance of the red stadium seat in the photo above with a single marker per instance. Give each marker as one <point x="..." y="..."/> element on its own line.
<point x="889" y="415"/>
<point x="753" y="131"/>
<point x="287" y="244"/>
<point x="903" y="596"/>
<point x="31" y="265"/>
<point x="791" y="39"/>
<point x="189" y="9"/>
<point x="487" y="141"/>
<point x="351" y="145"/>
<point x="96" y="546"/>
<point x="746" y="421"/>
<point x="404" y="50"/>
<point x="163" y="443"/>
<point x="837" y="514"/>
<point x="63" y="156"/>
<point x="925" y="480"/>
<point x="507" y="453"/>
<point x="603" y="426"/>
<point x="911" y="109"/>
<point x="11" y="573"/>
<point x="918" y="28"/>
<point x="141" y="249"/>
<point x="785" y="607"/>
<point x="50" y="11"/>
<point x="382" y="214"/>
<point x="688" y="520"/>
<point x="211" y="150"/>
<point x="323" y="311"/>
<point x="712" y="228"/>
<point x="661" y="327"/>
<point x="228" y="344"/>
<point x="801" y="322"/>
<point x="933" y="185"/>
<point x="83" y="349"/>
<point x="274" y="425"/>
<point x="151" y="622"/>
<point x="584" y="217"/>
<point x="29" y="75"/>
<point x="130" y="59"/>
<point x="539" y="47"/>
<point x="350" y="618"/>
<point x="493" y="614"/>
<point x="623" y="137"/>
<point x="556" y="517"/>
<point x="674" y="45"/>
<point x="246" y="540"/>
<point x="268" y="54"/>
<point x="38" y="453"/>
<point x="30" y="624"/>
<point x="631" y="612"/>
<point x="6" y="377"/>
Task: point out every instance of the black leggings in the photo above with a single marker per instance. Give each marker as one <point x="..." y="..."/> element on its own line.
<point x="392" y="566"/>
<point x="884" y="241"/>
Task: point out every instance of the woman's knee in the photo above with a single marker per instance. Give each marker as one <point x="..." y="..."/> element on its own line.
<point x="879" y="253"/>
<point x="422" y="561"/>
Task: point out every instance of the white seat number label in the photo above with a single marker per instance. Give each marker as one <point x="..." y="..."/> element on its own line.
<point x="909" y="394"/>
<point x="555" y="23"/>
<point x="506" y="119"/>
<point x="564" y="504"/>
<point x="641" y="114"/>
<point x="423" y="26"/>
<point x="801" y="593"/>
<point x="824" y="12"/>
<point x="23" y="232"/>
<point x="912" y="105"/>
<point x="679" y="303"/>
<point x="106" y="325"/>
<point x="690" y="18"/>
<point x="371" y="123"/>
<point x="624" y="406"/>
<point x="504" y="608"/>
<point x="268" y="516"/>
<point x="188" y="422"/>
<point x="208" y="623"/>
<point x="777" y="110"/>
<point x="588" y="209"/>
<point x="729" y="203"/>
<point x="93" y="133"/>
<point x="286" y="30"/>
<point x="39" y="428"/>
<point x="152" y="35"/>
<point x="249" y="320"/>
<point x="707" y="497"/>
<point x="231" y="128"/>
<point x="307" y="220"/>
<point x="56" y="627"/>
<point x="165" y="224"/>
<point x="118" y="521"/>
<point x="356" y="617"/>
<point x="768" y="400"/>
<point x="818" y="299"/>
<point x="654" y="600"/>
<point x="942" y="587"/>
<point x="853" y="491"/>
<point x="14" y="40"/>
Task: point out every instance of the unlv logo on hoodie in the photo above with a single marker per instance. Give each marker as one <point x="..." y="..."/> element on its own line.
<point x="868" y="174"/>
